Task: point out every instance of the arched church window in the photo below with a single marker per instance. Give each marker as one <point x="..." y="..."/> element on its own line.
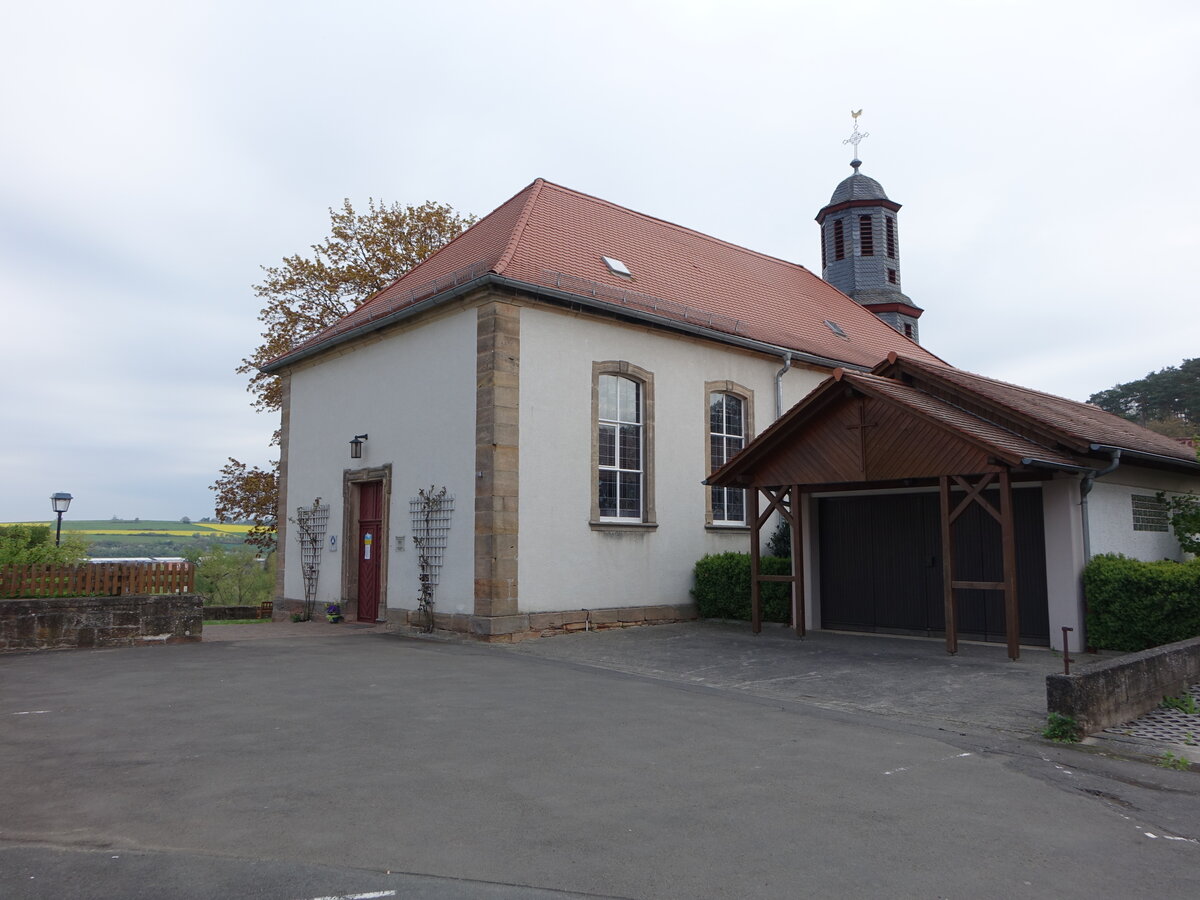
<point x="727" y="423"/>
<point x="622" y="403"/>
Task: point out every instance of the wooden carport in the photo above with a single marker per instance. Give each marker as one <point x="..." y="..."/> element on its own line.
<point x="894" y="427"/>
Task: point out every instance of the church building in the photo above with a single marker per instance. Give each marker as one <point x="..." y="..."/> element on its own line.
<point x="521" y="427"/>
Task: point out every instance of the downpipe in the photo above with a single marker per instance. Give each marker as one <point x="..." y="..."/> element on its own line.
<point x="1085" y="488"/>
<point x="787" y="364"/>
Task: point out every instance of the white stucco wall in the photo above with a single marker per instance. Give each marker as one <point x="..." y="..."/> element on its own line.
<point x="1110" y="513"/>
<point x="414" y="395"/>
<point x="563" y="562"/>
<point x="1110" y="523"/>
<point x="1063" y="529"/>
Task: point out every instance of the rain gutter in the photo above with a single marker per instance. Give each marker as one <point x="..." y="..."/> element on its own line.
<point x="1087" y="481"/>
<point x="566" y="297"/>
<point x="375" y="324"/>
<point x="672" y="324"/>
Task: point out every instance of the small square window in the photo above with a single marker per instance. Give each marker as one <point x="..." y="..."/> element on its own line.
<point x="617" y="267"/>
<point x="836" y="329"/>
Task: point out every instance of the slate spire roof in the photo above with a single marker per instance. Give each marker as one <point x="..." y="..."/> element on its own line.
<point x="857" y="187"/>
<point x="551" y="240"/>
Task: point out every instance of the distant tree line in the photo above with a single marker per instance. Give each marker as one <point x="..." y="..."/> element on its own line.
<point x="1167" y="401"/>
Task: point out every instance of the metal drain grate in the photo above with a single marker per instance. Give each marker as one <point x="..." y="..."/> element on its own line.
<point x="1160" y="725"/>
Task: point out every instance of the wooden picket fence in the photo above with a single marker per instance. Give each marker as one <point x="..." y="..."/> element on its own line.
<point x="97" y="579"/>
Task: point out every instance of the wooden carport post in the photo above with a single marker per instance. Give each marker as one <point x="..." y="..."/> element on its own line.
<point x="974" y="494"/>
<point x="797" y="563"/>
<point x="785" y="501"/>
<point x="755" y="556"/>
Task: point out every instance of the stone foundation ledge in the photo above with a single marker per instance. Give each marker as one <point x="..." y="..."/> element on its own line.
<point x="61" y="623"/>
<point x="525" y="626"/>
<point x="1122" y="689"/>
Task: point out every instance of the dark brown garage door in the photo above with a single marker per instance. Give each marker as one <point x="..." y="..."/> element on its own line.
<point x="881" y="566"/>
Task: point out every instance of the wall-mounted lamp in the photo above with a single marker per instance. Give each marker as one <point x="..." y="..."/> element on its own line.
<point x="60" y="503"/>
<point x="356" y="446"/>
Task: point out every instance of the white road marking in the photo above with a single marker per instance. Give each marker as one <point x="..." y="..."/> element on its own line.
<point x="32" y="712"/>
<point x="372" y="895"/>
<point x="900" y="769"/>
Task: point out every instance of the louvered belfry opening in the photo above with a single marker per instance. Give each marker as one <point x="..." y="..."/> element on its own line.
<point x="866" y="236"/>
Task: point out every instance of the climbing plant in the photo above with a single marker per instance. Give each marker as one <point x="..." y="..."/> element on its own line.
<point x="310" y="522"/>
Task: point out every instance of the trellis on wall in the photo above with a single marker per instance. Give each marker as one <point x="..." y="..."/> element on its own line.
<point x="431" y="511"/>
<point x="311" y="522"/>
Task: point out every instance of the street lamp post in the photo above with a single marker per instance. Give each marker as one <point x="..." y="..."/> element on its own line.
<point x="60" y="503"/>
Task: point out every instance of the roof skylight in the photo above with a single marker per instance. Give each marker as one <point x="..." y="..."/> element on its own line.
<point x="617" y="267"/>
<point x="837" y="329"/>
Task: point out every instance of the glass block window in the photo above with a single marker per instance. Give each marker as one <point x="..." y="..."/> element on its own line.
<point x="620" y="446"/>
<point x="1149" y="513"/>
<point x="727" y="435"/>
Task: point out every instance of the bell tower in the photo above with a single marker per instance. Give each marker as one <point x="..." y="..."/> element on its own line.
<point x="860" y="246"/>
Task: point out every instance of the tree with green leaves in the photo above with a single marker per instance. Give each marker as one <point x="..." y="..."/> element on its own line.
<point x="1166" y="401"/>
<point x="1184" y="510"/>
<point x="226" y="577"/>
<point x="364" y="253"/>
<point x="33" y="545"/>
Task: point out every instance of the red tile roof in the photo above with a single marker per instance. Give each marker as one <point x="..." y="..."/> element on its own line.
<point x="551" y="237"/>
<point x="1011" y="422"/>
<point x="1004" y="443"/>
<point x="1076" y="424"/>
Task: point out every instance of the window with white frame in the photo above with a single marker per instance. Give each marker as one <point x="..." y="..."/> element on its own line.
<point x="620" y="442"/>
<point x="727" y="424"/>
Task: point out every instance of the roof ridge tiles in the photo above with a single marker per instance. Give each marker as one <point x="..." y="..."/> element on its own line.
<point x="1000" y="381"/>
<point x="870" y="376"/>
<point x="676" y="226"/>
<point x="518" y="230"/>
<point x="1086" y="422"/>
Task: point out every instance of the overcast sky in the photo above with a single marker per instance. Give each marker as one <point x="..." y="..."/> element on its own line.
<point x="155" y="155"/>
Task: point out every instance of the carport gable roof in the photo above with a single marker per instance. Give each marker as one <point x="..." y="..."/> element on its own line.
<point x="1076" y="428"/>
<point x="859" y="427"/>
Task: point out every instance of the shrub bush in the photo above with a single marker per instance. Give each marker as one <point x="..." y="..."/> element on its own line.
<point x="722" y="588"/>
<point x="1133" y="605"/>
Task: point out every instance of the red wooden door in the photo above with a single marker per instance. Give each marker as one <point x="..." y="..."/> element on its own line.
<point x="370" y="548"/>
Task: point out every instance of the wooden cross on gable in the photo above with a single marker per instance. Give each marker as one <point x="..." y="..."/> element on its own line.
<point x="862" y="427"/>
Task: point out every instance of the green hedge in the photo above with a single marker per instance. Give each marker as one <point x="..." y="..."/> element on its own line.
<point x="1133" y="605"/>
<point x="722" y="588"/>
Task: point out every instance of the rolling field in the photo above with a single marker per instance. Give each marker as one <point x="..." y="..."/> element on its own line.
<point x="147" y="537"/>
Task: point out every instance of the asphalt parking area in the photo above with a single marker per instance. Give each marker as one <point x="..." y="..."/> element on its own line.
<point x="909" y="679"/>
<point x="211" y="769"/>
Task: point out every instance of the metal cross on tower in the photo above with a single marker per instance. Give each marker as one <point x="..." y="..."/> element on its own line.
<point x="855" y="137"/>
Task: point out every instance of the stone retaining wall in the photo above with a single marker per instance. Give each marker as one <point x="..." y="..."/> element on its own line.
<point x="1119" y="690"/>
<point x="67" y="622"/>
